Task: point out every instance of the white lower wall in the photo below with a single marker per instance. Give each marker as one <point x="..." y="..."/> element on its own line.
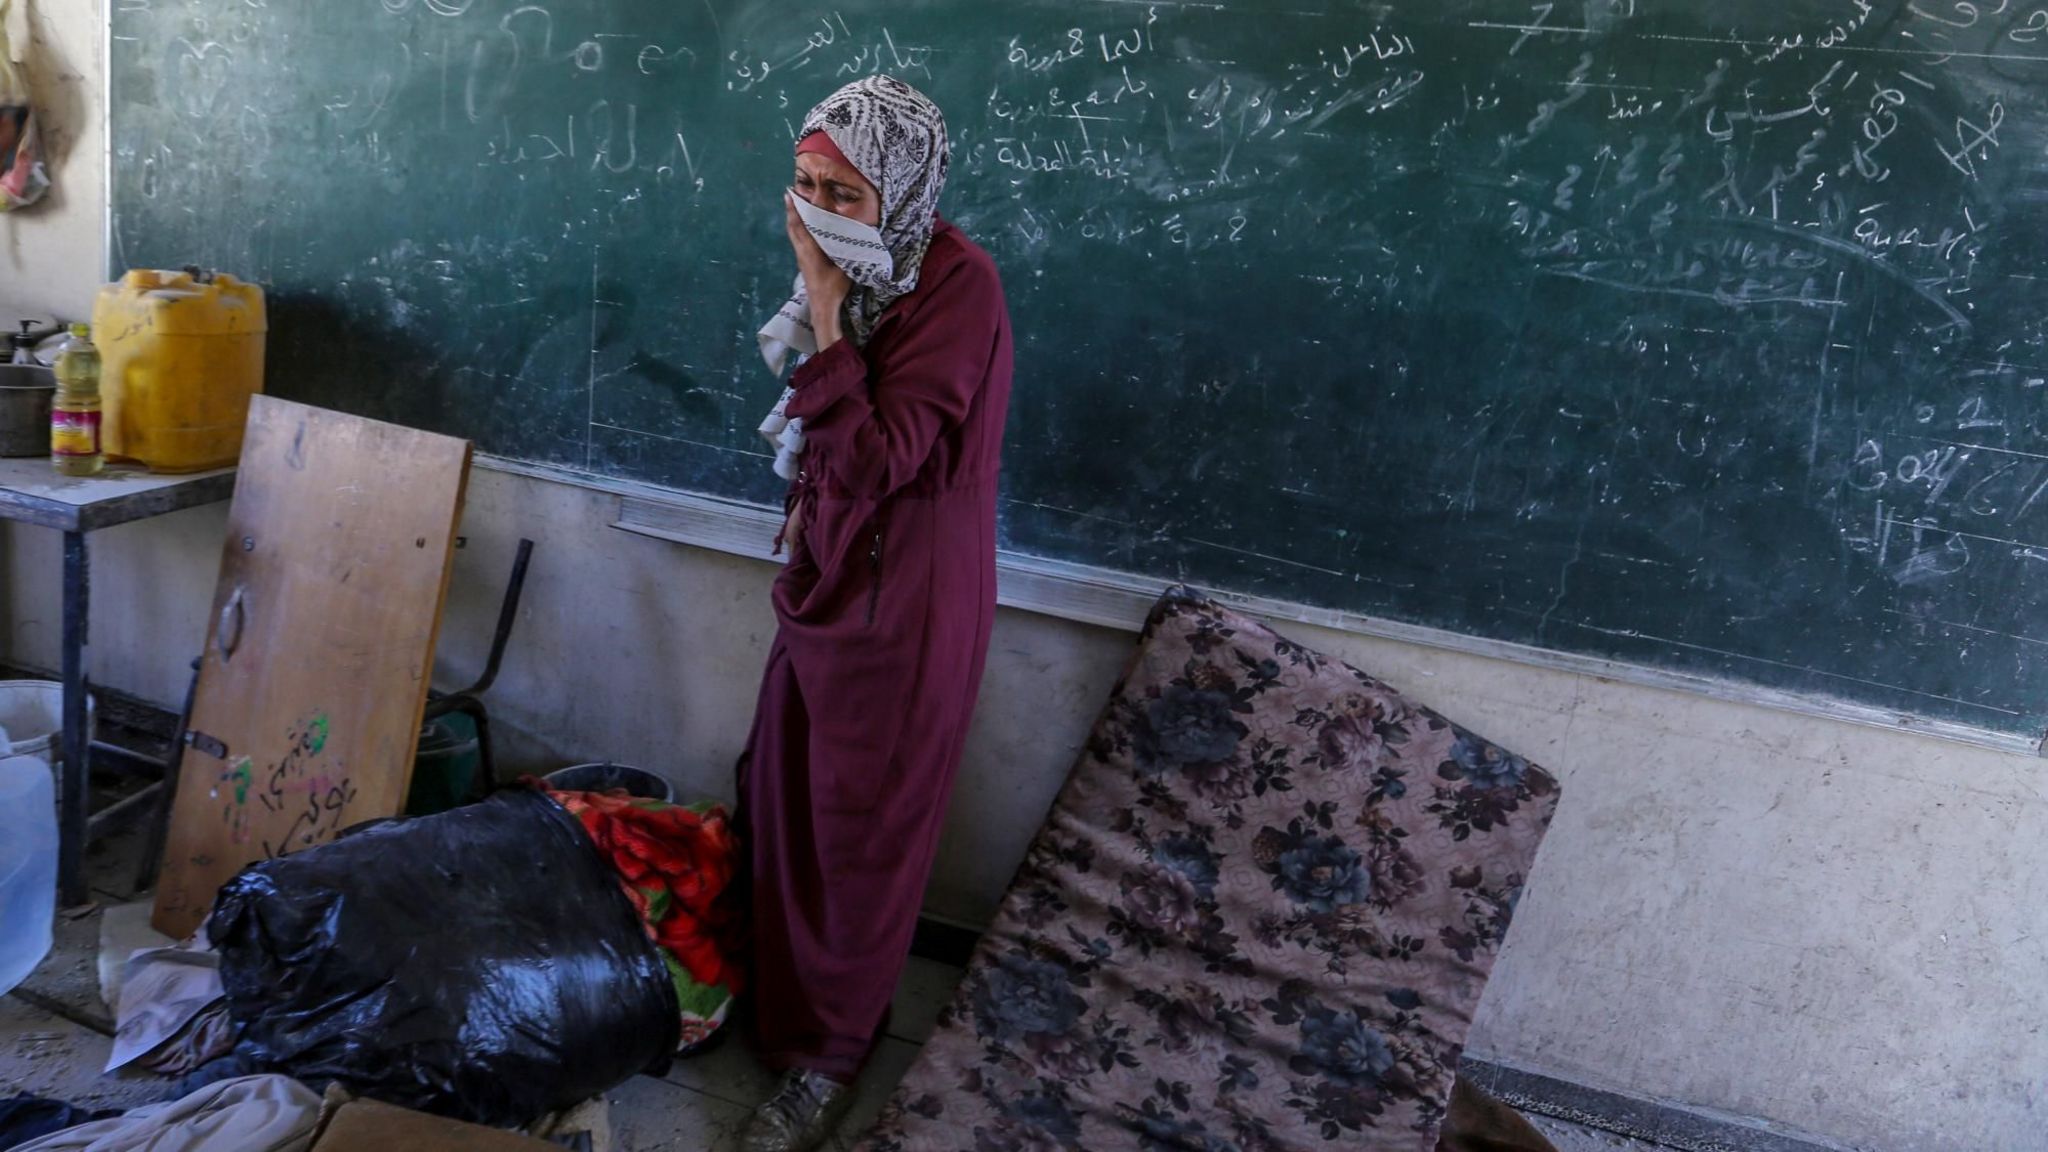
<point x="1835" y="928"/>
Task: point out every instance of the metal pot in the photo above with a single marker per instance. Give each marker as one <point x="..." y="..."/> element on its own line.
<point x="606" y="777"/>
<point x="25" y="396"/>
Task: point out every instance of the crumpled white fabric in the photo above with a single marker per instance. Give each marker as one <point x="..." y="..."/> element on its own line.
<point x="252" y="1114"/>
<point x="858" y="250"/>
<point x="162" y="991"/>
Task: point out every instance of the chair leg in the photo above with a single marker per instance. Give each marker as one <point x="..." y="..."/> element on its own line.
<point x="508" y="615"/>
<point x="468" y="701"/>
<point x="487" y="764"/>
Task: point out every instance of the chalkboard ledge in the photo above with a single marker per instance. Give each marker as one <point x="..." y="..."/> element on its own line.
<point x="1121" y="600"/>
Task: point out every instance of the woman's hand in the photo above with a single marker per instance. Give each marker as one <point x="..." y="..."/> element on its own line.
<point x="824" y="282"/>
<point x="793" y="526"/>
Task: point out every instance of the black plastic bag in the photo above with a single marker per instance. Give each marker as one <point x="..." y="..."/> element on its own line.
<point x="481" y="964"/>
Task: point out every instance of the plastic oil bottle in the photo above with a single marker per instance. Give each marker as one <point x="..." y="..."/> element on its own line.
<point x="75" y="413"/>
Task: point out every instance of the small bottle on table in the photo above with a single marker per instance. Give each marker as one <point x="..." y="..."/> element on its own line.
<point x="75" y="413"/>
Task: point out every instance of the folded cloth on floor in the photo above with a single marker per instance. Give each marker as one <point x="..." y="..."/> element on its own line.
<point x="676" y="864"/>
<point x="255" y="1114"/>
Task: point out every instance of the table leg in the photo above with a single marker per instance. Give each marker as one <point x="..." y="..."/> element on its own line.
<point x="77" y="772"/>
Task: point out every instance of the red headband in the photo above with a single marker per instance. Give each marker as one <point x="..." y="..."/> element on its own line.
<point x="822" y="144"/>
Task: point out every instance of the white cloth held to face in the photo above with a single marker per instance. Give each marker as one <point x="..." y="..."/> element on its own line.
<point x="859" y="252"/>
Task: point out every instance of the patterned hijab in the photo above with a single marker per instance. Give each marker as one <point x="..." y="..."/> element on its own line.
<point x="895" y="137"/>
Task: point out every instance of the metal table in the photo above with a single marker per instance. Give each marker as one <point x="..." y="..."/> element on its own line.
<point x="31" y="492"/>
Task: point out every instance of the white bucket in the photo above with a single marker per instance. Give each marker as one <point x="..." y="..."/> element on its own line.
<point x="32" y="715"/>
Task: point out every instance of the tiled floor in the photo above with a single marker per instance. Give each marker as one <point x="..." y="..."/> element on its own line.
<point x="701" y="1103"/>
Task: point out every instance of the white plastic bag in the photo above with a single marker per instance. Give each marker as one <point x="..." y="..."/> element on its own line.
<point x="23" y="176"/>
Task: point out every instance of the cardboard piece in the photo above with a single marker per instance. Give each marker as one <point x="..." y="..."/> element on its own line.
<point x="367" y="1126"/>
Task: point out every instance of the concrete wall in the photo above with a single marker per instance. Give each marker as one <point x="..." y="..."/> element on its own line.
<point x="1834" y="928"/>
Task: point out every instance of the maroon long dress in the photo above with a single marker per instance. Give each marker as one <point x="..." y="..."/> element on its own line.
<point x="885" y="608"/>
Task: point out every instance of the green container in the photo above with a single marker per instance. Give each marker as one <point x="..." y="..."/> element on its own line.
<point x="444" y="770"/>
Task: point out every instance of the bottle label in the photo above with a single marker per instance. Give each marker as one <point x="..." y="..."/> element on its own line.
<point x="74" y="433"/>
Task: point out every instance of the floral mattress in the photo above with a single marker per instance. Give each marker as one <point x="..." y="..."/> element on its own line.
<point x="1259" y="916"/>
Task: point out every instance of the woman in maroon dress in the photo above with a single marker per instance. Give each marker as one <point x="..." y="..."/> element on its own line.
<point x="891" y="434"/>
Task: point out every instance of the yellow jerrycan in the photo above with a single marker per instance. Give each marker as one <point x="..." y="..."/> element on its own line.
<point x="181" y="354"/>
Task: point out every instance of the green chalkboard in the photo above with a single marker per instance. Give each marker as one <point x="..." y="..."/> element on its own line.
<point x="1701" y="335"/>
